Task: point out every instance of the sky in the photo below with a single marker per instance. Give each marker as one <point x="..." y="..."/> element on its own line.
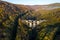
<point x="33" y="2"/>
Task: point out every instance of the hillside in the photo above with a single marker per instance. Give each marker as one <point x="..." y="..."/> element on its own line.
<point x="12" y="27"/>
<point x="30" y="11"/>
<point x="9" y="16"/>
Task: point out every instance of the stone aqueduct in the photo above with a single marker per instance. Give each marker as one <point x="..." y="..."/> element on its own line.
<point x="32" y="23"/>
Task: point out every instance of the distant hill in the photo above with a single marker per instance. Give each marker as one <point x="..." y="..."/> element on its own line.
<point x="44" y="7"/>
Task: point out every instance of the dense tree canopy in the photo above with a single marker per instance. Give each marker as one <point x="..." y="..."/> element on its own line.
<point x="12" y="27"/>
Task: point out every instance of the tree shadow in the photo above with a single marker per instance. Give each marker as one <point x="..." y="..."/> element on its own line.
<point x="33" y="34"/>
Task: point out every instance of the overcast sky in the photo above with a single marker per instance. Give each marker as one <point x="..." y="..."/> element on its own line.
<point x="33" y="2"/>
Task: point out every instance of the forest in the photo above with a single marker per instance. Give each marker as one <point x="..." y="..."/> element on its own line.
<point x="12" y="27"/>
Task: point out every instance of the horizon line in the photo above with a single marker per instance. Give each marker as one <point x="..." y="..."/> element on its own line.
<point x="31" y="4"/>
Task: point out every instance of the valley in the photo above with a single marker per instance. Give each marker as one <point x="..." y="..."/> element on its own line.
<point x="29" y="22"/>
